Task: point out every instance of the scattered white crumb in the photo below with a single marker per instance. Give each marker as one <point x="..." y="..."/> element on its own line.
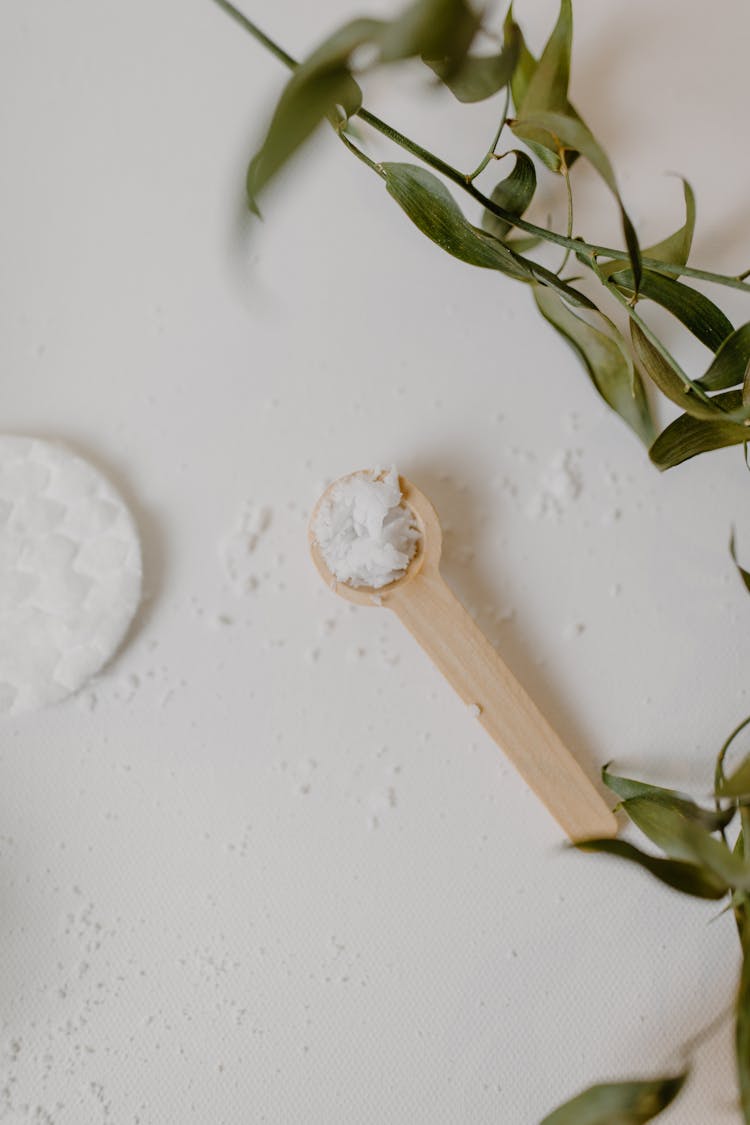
<point x="475" y="710"/>
<point x="507" y="613"/>
<point x="238" y="549"/>
<point x="560" y="485"/>
<point x="126" y="687"/>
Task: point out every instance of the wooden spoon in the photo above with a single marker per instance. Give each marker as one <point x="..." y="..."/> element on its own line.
<point x="432" y="613"/>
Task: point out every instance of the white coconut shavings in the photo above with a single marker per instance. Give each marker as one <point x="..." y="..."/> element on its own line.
<point x="366" y="536"/>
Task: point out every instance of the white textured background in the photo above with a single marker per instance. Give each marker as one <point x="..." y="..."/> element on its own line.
<point x="268" y="869"/>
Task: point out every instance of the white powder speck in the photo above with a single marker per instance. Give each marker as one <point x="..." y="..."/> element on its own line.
<point x="506" y="614"/>
<point x="560" y="485"/>
<point x="239" y="547"/>
<point x="366" y="536"/>
<point x="475" y="710"/>
<point x="125" y="688"/>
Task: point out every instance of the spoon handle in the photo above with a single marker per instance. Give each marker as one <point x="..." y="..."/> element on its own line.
<point x="447" y="633"/>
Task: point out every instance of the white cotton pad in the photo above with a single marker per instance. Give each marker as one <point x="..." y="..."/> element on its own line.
<point x="70" y="572"/>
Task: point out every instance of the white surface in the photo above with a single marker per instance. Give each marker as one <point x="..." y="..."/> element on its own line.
<point x="269" y="870"/>
<point x="70" y="572"/>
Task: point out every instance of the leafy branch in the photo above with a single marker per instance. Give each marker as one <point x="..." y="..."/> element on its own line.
<point x="441" y="34"/>
<point x="698" y="861"/>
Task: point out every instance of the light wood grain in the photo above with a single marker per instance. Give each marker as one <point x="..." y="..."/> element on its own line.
<point x="450" y="637"/>
<point x="426" y="605"/>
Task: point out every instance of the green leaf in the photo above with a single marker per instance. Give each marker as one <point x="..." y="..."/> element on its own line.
<point x="711" y="819"/>
<point x="432" y="208"/>
<point x="560" y="132"/>
<point x="548" y="86"/>
<point x="318" y="87"/>
<point x="685" y="877"/>
<point x="606" y="358"/>
<point x="666" y="377"/>
<point x="543" y="84"/>
<point x="744" y="574"/>
<point x="699" y="314"/>
<point x="676" y="248"/>
<point x="619" y="1103"/>
<point x="525" y="66"/>
<point x="738" y="785"/>
<point x="686" y="437"/>
<point x="684" y="839"/>
<point x="513" y="194"/>
<point x="480" y="76"/>
<point x="336" y="51"/>
<point x="626" y="787"/>
<point x="524" y="243"/>
<point x="730" y="364"/>
<point x="434" y="29"/>
<point x="301" y="109"/>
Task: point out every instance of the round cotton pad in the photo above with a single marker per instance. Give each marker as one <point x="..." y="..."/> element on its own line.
<point x="70" y="572"/>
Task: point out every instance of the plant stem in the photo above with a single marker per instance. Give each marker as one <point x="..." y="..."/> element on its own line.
<point x="360" y="155"/>
<point x="459" y="178"/>
<point x="264" y="40"/>
<point x="566" y="173"/>
<point x="422" y="154"/>
<point x="491" y="150"/>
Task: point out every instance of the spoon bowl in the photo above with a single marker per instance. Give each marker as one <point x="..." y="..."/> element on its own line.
<point x="427" y="553"/>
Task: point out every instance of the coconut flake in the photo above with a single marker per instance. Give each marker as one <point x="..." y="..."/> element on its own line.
<point x="366" y="535"/>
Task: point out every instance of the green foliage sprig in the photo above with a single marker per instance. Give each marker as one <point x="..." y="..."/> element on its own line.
<point x="697" y="860"/>
<point x="442" y="35"/>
